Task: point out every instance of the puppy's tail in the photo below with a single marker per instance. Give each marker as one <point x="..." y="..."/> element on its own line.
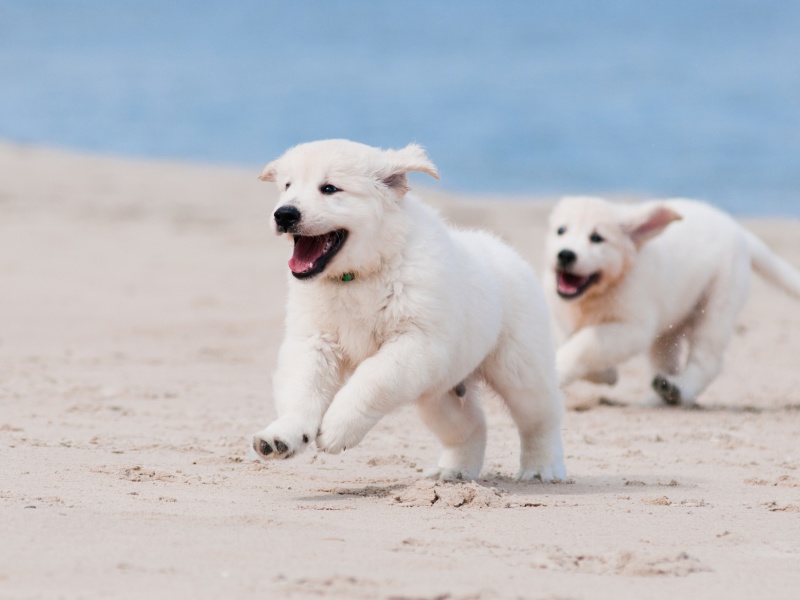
<point x="772" y="267"/>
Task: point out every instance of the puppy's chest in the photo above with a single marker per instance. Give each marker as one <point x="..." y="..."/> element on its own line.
<point x="590" y="312"/>
<point x="362" y="319"/>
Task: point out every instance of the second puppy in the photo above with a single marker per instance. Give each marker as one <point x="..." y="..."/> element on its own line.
<point x="668" y="278"/>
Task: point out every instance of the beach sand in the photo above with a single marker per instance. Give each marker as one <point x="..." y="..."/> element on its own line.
<point x="141" y="310"/>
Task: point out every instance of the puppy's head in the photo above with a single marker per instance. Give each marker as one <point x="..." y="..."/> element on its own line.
<point x="592" y="243"/>
<point x="336" y="201"/>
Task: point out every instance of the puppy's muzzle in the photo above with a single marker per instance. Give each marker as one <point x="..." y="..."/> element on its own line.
<point x="286" y="219"/>
<point x="566" y="258"/>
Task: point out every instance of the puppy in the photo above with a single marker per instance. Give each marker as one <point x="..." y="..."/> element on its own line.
<point x="668" y="278"/>
<point x="388" y="306"/>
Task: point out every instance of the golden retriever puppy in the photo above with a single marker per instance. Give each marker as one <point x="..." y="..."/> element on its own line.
<point x="388" y="305"/>
<point x="667" y="277"/>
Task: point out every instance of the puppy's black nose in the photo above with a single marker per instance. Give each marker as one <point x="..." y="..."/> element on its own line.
<point x="566" y="258"/>
<point x="286" y="217"/>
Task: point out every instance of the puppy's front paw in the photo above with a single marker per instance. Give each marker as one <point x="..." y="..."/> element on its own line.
<point x="283" y="439"/>
<point x="341" y="430"/>
<point x="668" y="392"/>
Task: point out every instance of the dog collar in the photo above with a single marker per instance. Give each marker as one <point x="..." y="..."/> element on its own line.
<point x="348" y="277"/>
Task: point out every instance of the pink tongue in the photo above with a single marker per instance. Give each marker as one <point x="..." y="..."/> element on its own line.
<point x="569" y="284"/>
<point x="306" y="252"/>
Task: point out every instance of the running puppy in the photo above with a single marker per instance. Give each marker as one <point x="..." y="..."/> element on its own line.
<point x="664" y="277"/>
<point x="389" y="306"/>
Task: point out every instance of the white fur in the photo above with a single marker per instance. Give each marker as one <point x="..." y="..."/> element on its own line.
<point x="673" y="277"/>
<point x="430" y="307"/>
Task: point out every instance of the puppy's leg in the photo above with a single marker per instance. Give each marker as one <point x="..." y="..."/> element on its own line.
<point x="666" y="358"/>
<point x="706" y="346"/>
<point x="708" y="336"/>
<point x="665" y="353"/>
<point x="599" y="348"/>
<point x="521" y="372"/>
<point x="459" y="424"/>
<point x="307" y="377"/>
<point x="402" y="371"/>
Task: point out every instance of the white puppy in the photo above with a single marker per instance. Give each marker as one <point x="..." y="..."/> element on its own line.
<point x="388" y="306"/>
<point x="666" y="277"/>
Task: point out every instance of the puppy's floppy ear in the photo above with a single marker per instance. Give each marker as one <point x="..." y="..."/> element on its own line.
<point x="268" y="174"/>
<point x="400" y="162"/>
<point x="648" y="223"/>
<point x="412" y="158"/>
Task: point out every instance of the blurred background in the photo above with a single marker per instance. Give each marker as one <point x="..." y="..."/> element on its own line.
<point x="686" y="97"/>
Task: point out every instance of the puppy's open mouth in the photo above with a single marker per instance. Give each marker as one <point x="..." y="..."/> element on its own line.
<point x="312" y="253"/>
<point x="570" y="285"/>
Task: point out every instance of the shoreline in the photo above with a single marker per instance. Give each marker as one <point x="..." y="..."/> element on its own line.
<point x="10" y="150"/>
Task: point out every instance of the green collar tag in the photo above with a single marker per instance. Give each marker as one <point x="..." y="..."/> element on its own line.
<point x="348" y="277"/>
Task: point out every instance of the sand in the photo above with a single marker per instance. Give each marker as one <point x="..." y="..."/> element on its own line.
<point x="141" y="309"/>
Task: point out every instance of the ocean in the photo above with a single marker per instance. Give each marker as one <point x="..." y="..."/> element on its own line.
<point x="698" y="98"/>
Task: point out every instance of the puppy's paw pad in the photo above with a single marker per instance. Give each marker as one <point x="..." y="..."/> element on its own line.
<point x="271" y="448"/>
<point x="282" y="439"/>
<point x="261" y="447"/>
<point x="668" y="392"/>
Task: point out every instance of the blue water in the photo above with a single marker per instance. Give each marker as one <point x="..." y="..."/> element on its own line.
<point x="689" y="97"/>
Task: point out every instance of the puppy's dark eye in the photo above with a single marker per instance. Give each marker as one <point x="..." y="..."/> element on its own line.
<point x="596" y="238"/>
<point x="561" y="230"/>
<point x="329" y="189"/>
<point x="288" y="183"/>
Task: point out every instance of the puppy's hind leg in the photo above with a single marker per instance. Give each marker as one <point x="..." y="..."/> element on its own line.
<point x="457" y="420"/>
<point x="667" y="349"/>
<point x="666" y="359"/>
<point x="521" y="371"/>
<point x="708" y="335"/>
